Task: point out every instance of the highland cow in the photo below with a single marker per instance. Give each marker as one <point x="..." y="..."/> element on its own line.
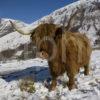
<point x="65" y="51"/>
<point x="72" y="51"/>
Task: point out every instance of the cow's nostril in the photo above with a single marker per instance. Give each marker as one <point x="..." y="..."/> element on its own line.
<point x="42" y="53"/>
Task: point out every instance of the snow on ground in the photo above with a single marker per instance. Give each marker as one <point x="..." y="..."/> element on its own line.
<point x="12" y="66"/>
<point x="13" y="40"/>
<point x="88" y="86"/>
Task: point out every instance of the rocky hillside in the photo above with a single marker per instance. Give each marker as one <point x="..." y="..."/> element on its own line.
<point x="87" y="20"/>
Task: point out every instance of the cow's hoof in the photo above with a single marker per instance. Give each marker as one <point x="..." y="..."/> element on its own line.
<point x="72" y="86"/>
<point x="86" y="72"/>
<point x="52" y="88"/>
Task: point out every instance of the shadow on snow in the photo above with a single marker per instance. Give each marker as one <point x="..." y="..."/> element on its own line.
<point x="39" y="72"/>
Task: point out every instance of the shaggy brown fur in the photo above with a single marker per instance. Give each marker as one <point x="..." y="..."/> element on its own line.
<point x="43" y="30"/>
<point x="73" y="51"/>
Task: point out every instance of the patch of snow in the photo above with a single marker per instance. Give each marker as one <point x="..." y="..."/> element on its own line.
<point x="88" y="86"/>
<point x="13" y="40"/>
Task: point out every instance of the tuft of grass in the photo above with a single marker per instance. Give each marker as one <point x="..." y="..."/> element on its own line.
<point x="27" y="84"/>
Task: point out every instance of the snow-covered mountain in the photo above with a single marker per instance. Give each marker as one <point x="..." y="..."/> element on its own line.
<point x="86" y="21"/>
<point x="5" y="26"/>
<point x="11" y="43"/>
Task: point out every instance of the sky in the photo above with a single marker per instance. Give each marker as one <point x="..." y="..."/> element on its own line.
<point x="30" y="10"/>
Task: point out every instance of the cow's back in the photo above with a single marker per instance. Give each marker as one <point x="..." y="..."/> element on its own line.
<point x="76" y="49"/>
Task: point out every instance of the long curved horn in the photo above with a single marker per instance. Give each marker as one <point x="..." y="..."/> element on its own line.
<point x="25" y="31"/>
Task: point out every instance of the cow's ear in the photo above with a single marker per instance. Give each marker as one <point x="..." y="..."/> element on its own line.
<point x="58" y="33"/>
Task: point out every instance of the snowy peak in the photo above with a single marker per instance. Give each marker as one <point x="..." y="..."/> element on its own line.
<point x="5" y="26"/>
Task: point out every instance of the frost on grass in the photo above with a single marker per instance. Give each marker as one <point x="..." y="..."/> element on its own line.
<point x="27" y="84"/>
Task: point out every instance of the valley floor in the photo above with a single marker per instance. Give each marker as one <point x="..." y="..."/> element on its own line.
<point x="88" y="86"/>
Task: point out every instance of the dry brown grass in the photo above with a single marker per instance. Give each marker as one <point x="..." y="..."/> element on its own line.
<point x="27" y="84"/>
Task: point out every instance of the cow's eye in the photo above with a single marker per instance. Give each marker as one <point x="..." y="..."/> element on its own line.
<point x="42" y="53"/>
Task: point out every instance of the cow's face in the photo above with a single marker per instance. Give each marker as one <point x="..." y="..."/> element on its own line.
<point x="45" y="48"/>
<point x="46" y="42"/>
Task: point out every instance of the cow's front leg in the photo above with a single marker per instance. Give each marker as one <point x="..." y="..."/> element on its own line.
<point x="71" y="84"/>
<point x="53" y="84"/>
<point x="86" y="69"/>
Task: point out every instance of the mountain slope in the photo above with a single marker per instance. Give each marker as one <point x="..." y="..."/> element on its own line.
<point x="86" y="21"/>
<point x="12" y="44"/>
